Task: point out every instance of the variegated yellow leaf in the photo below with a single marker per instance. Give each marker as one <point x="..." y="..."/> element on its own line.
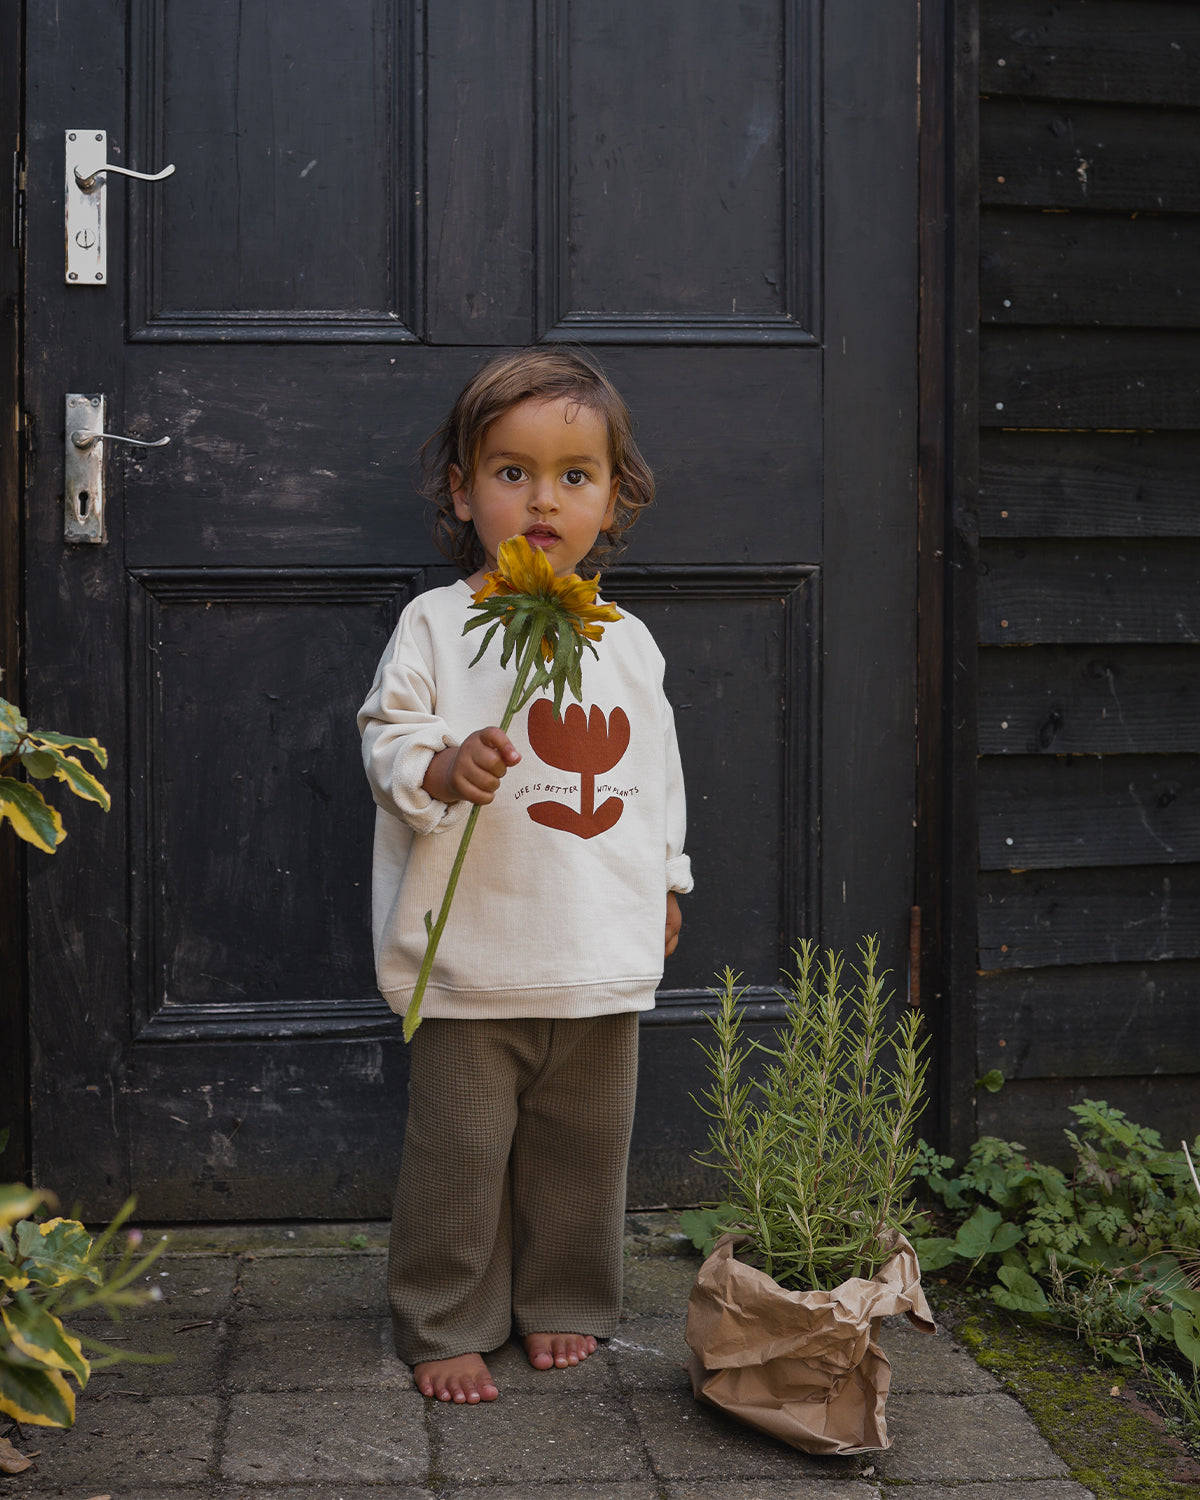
<point x="56" y="1252"/>
<point x="35" y="1395"/>
<point x="40" y="1336"/>
<point x="18" y="1201"/>
<point x="30" y="814"/>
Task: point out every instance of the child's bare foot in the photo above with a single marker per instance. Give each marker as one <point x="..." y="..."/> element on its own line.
<point x="548" y="1351"/>
<point x="463" y="1378"/>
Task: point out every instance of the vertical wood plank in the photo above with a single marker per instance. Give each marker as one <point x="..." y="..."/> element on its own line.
<point x="871" y="520"/>
<point x="934" y="375"/>
<point x="958" y="1081"/>
<point x="75" y="633"/>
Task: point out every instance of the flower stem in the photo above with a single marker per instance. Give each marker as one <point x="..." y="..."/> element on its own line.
<point x="412" y="1016"/>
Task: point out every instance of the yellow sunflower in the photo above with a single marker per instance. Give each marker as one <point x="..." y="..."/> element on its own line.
<point x="523" y="569"/>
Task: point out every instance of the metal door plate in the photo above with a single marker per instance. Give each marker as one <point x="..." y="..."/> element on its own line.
<point x="87" y="249"/>
<point x="83" y="470"/>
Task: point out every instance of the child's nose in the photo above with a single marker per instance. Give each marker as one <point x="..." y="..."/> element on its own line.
<point x="542" y="496"/>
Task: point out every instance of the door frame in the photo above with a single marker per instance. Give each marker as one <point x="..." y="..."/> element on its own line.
<point x="947" y="487"/>
<point x="14" y="1030"/>
<point x="947" y="483"/>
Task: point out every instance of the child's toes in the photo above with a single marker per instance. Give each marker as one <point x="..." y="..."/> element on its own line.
<point x="549" y="1351"/>
<point x="464" y="1379"/>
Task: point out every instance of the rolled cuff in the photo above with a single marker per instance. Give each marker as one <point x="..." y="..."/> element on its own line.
<point x="679" y="874"/>
<point x="421" y="812"/>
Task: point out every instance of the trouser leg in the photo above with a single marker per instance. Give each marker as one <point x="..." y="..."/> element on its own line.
<point x="569" y="1160"/>
<point x="449" y="1263"/>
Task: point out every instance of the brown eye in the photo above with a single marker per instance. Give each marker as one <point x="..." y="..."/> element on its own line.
<point x="575" y="476"/>
<point x="513" y="474"/>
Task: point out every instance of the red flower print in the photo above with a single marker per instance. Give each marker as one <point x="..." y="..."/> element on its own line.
<point x="589" y="746"/>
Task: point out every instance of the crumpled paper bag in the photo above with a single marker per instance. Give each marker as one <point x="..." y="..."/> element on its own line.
<point x="802" y="1366"/>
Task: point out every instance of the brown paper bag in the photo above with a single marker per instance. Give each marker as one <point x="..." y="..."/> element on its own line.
<point x="802" y="1366"/>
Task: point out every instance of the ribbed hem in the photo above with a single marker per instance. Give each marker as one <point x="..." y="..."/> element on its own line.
<point x="560" y="1002"/>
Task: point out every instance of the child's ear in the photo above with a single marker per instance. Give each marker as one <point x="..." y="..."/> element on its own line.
<point x="458" y="493"/>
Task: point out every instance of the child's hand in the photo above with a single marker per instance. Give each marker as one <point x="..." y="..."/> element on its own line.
<point x="472" y="772"/>
<point x="674" y="923"/>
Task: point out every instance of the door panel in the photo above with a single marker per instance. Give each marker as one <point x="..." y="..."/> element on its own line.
<point x="299" y="167"/>
<point x="369" y="199"/>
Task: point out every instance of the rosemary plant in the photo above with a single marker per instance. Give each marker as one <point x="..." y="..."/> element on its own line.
<point x="817" y="1151"/>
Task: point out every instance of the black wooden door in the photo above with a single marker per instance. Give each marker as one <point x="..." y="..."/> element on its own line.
<point x="369" y="197"/>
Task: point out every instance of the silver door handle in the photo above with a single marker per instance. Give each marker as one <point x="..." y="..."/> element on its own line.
<point x="83" y="467"/>
<point x="83" y="439"/>
<point x="89" y="182"/>
<point x="86" y="183"/>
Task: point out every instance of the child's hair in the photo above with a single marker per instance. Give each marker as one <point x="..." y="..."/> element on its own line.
<point x="545" y="373"/>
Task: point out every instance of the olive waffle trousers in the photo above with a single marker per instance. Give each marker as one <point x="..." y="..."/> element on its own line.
<point x="509" y="1211"/>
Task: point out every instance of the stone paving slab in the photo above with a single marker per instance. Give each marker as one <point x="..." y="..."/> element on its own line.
<point x="649" y="1354"/>
<point x="355" y="1436"/>
<point x="931" y="1362"/>
<point x="960" y="1438"/>
<point x="314" y="1285"/>
<point x="196" y="1357"/>
<point x="188" y="1287"/>
<point x="118" y="1490"/>
<point x="525" y="1440"/>
<point x="657" y="1286"/>
<point x="118" y="1443"/>
<point x="686" y="1440"/>
<point x="333" y="1354"/>
<point x="325" y="1492"/>
<point x="778" y="1489"/>
<point x="1046" y="1489"/>
<point x="581" y="1490"/>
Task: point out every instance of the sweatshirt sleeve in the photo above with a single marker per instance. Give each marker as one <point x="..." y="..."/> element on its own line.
<point x="679" y="866"/>
<point x="401" y="732"/>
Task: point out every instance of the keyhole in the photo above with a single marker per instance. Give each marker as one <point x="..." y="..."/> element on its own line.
<point x="84" y="502"/>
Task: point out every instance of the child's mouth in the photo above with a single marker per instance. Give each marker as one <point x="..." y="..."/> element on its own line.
<point x="541" y="536"/>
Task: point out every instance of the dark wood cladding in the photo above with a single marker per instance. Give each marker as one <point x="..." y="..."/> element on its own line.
<point x="1109" y="50"/>
<point x="1089" y="700"/>
<point x="1099" y="1022"/>
<point x="1090" y="378"/>
<point x="1036" y="1112"/>
<point x="1088" y="156"/>
<point x="1086" y="269"/>
<point x="1047" y="812"/>
<point x="1031" y="919"/>
<point x="1058" y="484"/>
<point x="1089" y="565"/>
<point x="1078" y="591"/>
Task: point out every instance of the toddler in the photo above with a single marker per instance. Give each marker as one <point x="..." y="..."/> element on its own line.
<point x="510" y="1206"/>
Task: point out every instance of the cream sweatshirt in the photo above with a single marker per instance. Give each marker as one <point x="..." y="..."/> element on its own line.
<point x="561" y="905"/>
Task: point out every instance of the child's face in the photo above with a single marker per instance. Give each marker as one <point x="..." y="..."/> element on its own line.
<point x="543" y="471"/>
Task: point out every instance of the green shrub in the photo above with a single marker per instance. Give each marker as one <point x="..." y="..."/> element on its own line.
<point x="42" y="755"/>
<point x="47" y="1268"/>
<point x="1112" y="1244"/>
<point x="816" y="1153"/>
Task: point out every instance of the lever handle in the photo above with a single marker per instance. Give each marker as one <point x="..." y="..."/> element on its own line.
<point x="89" y="182"/>
<point x="83" y="439"/>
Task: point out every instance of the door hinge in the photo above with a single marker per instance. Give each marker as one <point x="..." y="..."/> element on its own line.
<point x="27" y="434"/>
<point x="18" y="201"/>
<point x="914" y="957"/>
